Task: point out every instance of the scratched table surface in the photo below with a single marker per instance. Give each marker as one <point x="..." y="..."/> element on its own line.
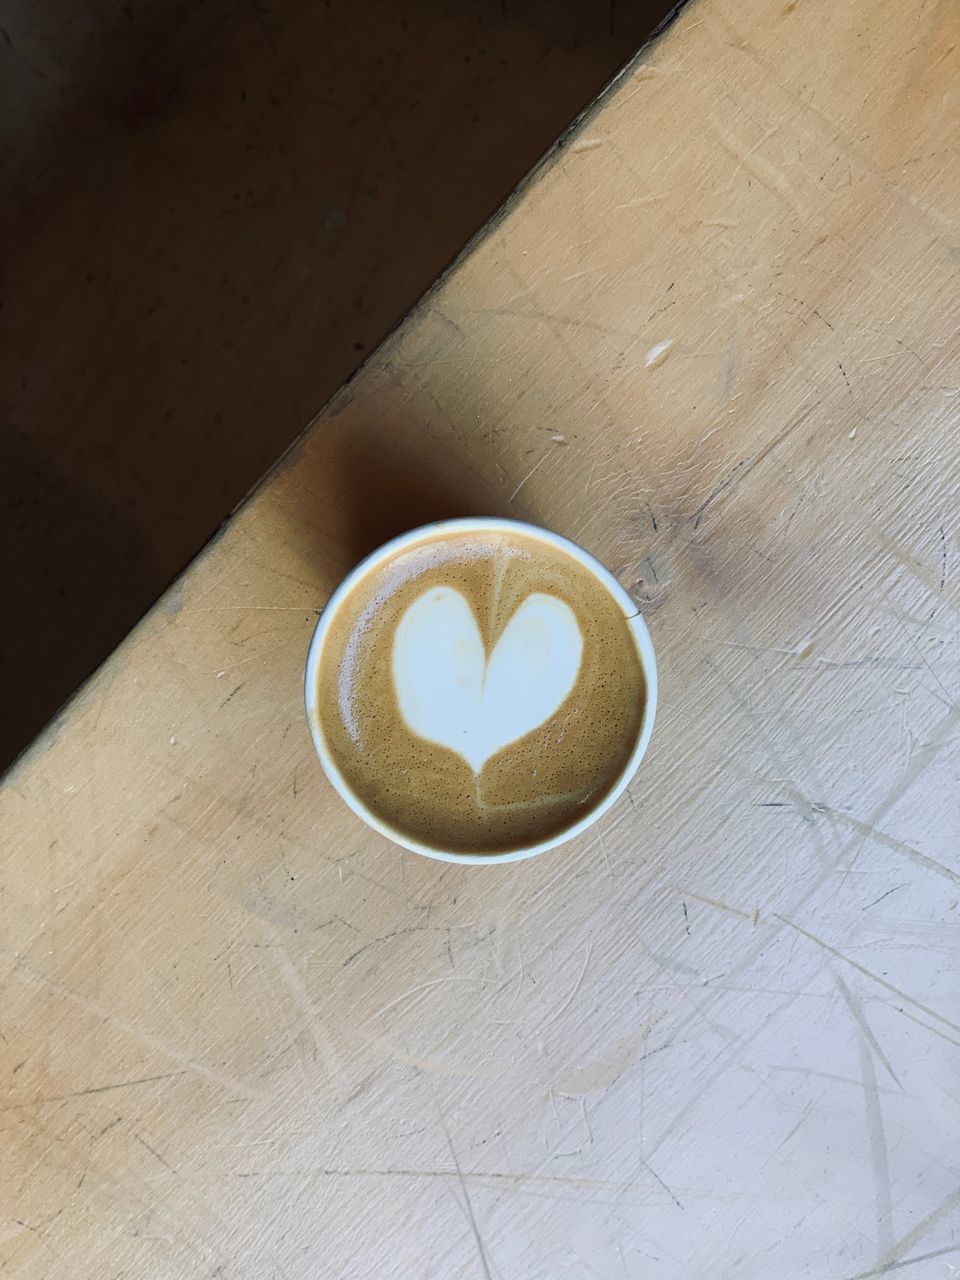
<point x="715" y="339"/>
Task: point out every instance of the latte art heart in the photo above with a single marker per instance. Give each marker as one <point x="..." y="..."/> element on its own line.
<point x="478" y="690"/>
<point x="452" y="693"/>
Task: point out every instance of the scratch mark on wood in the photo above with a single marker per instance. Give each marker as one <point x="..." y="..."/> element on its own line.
<point x="156" y="1043"/>
<point x="800" y="1122"/>
<point x="468" y="1203"/>
<point x="918" y="764"/>
<point x="521" y="974"/>
<point x="913" y="566"/>
<point x="99" y="1088"/>
<point x="895" y="1256"/>
<point x="318" y="1032"/>
<point x="763" y="170"/>
<point x="606" y="856"/>
<point x="533" y="470"/>
<point x="588" y="952"/>
<point x="927" y="1027"/>
<point x="712" y="902"/>
<point x="879" y="1156"/>
<point x="586" y="1266"/>
<point x="870" y="832"/>
<point x="233" y="693"/>
<point x="415" y="991"/>
<point x="385" y="937"/>
<point x="948" y="700"/>
<point x="586" y="1122"/>
<point x="807" y="306"/>
<point x="640" y="201"/>
<point x="155" y="1153"/>
<point x="895" y="888"/>
<point x="829" y="1075"/>
<point x="868" y="973"/>
<point x="744" y="467"/>
<point x="905" y="1262"/>
<point x="943" y="560"/>
<point x="514" y="1179"/>
<point x="553" y="321"/>
<point x="730" y="366"/>
<point x="649" y="1167"/>
<point x="860" y="1018"/>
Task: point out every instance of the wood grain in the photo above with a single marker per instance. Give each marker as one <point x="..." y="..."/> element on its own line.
<point x="716" y="340"/>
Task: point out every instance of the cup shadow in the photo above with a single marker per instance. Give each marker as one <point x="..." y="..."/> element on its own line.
<point x="382" y="483"/>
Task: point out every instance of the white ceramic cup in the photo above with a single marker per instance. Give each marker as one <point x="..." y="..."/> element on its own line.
<point x="479" y="526"/>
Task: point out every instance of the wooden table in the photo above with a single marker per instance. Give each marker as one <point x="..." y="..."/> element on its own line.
<point x="716" y="340"/>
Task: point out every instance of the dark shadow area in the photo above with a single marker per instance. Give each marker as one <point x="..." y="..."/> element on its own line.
<point x="57" y="588"/>
<point x="211" y="213"/>
<point x="387" y="491"/>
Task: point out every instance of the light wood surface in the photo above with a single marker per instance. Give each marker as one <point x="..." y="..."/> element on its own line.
<point x="716" y="340"/>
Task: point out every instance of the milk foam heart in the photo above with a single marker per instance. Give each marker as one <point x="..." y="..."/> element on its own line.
<point x="477" y="689"/>
<point x="451" y="693"/>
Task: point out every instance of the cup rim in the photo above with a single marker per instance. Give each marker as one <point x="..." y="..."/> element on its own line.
<point x="479" y="524"/>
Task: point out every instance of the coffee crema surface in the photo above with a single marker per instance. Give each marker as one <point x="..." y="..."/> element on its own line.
<point x="480" y="692"/>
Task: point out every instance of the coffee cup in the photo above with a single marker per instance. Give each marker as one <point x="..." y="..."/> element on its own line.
<point x="480" y="690"/>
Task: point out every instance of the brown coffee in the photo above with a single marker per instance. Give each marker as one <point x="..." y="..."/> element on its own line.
<point x="480" y="692"/>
